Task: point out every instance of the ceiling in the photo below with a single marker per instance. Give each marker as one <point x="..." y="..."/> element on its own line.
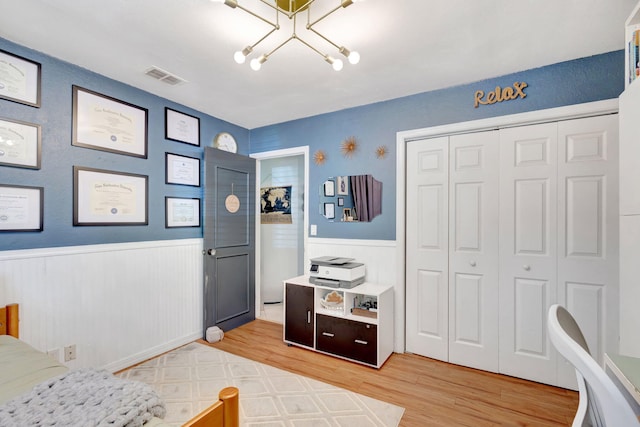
<point x="407" y="47"/>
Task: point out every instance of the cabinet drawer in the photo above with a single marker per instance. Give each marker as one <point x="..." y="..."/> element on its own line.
<point x="347" y="338"/>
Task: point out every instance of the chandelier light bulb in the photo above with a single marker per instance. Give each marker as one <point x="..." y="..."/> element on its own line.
<point x="256" y="63"/>
<point x="354" y="58"/>
<point x="239" y="57"/>
<point x="337" y="64"/>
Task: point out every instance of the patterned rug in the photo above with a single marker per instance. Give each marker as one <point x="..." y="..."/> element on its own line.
<point x="190" y="377"/>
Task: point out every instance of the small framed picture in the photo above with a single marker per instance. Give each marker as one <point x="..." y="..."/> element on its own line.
<point x="329" y="210"/>
<point x="181" y="127"/>
<point x="329" y="188"/>
<point x="182" y="212"/>
<point x="21" y="208"/>
<point x="19" y="79"/>
<point x="342" y="182"/>
<point x="182" y="170"/>
<point x="20" y="144"/>
<point x="340" y="201"/>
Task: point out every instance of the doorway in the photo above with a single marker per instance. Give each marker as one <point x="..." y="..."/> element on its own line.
<point x="281" y="224"/>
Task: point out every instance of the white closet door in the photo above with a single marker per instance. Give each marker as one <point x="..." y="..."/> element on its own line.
<point x="427" y="248"/>
<point x="528" y="250"/>
<point x="588" y="230"/>
<point x="473" y="250"/>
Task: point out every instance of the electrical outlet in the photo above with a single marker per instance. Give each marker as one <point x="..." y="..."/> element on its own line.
<point x="70" y="353"/>
<point x="54" y="354"/>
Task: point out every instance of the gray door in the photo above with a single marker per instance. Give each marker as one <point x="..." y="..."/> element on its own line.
<point x="229" y="239"/>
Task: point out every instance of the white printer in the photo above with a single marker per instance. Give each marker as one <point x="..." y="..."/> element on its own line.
<point x="336" y="272"/>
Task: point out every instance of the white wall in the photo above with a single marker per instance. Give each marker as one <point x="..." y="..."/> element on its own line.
<point x="119" y="304"/>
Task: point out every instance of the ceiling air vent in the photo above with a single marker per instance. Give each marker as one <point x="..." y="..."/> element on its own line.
<point x="164" y="76"/>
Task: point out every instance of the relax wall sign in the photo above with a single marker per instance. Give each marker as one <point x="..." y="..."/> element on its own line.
<point x="499" y="94"/>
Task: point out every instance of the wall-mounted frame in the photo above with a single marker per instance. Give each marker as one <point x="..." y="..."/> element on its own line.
<point x="102" y="197"/>
<point x="181" y="127"/>
<point x="342" y="182"/>
<point x="20" y="144"/>
<point x="21" y="208"/>
<point x="340" y="201"/>
<point x="329" y="188"/>
<point x="182" y="170"/>
<point x="20" y="79"/>
<point x="329" y="210"/>
<point x="104" y="123"/>
<point x="181" y="212"/>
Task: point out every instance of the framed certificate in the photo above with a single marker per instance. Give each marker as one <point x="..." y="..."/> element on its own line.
<point x="181" y="127"/>
<point x="108" y="124"/>
<point x="20" y="144"/>
<point x="19" y="79"/>
<point x="21" y="208"/>
<point x="182" y="170"/>
<point x="103" y="197"/>
<point x="182" y="212"/>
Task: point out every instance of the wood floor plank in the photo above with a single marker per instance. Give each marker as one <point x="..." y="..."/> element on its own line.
<point x="433" y="393"/>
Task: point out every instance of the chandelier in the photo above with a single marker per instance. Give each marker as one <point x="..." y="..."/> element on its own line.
<point x="291" y="9"/>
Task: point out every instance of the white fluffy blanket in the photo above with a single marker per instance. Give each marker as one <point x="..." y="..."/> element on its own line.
<point x="84" y="398"/>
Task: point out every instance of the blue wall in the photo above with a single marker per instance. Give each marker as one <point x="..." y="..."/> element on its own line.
<point x="588" y="79"/>
<point x="59" y="157"/>
<point x="585" y="80"/>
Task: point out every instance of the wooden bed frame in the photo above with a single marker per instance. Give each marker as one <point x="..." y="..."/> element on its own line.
<point x="223" y="413"/>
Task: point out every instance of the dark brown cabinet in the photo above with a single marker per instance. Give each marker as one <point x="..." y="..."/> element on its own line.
<point x="299" y="315"/>
<point x="314" y="321"/>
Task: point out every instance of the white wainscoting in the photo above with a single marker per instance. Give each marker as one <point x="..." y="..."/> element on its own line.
<point x="118" y="303"/>
<point x="379" y="257"/>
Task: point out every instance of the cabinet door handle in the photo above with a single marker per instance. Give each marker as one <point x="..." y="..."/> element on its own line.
<point x="308" y="316"/>
<point x="361" y="342"/>
<point x="328" y="334"/>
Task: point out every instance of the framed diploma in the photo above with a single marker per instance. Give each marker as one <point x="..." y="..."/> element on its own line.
<point x="182" y="170"/>
<point x="181" y="127"/>
<point x="19" y="79"/>
<point x="21" y="208"/>
<point x="182" y="212"/>
<point x="108" y="124"/>
<point x="20" y="144"/>
<point x="103" y="197"/>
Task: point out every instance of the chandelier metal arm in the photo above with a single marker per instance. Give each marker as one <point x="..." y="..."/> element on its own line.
<point x="293" y="36"/>
<point x="274" y="25"/>
<point x="343" y="4"/>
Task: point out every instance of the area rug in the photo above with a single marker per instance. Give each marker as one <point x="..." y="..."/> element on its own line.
<point x="189" y="378"/>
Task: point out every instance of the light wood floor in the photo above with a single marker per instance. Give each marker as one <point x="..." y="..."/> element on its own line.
<point x="433" y="393"/>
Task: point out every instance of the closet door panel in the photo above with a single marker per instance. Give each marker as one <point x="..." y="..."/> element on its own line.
<point x="473" y="250"/>
<point x="528" y="221"/>
<point x="427" y="331"/>
<point x="588" y="236"/>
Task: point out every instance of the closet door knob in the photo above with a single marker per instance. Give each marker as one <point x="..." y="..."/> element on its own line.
<point x="472" y="263"/>
<point x="526" y="267"/>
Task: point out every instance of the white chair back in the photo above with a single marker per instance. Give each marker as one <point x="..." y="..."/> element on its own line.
<point x="602" y="404"/>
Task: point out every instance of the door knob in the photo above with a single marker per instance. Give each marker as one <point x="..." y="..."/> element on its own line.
<point x="472" y="263"/>
<point x="526" y="267"/>
<point x="211" y="252"/>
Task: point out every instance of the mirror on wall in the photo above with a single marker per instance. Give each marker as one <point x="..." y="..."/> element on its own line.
<point x="351" y="198"/>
